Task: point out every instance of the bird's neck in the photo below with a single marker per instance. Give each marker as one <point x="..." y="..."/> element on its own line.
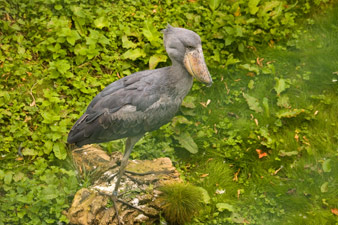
<point x="180" y="79"/>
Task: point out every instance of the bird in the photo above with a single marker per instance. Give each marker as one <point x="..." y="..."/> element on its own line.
<point x="143" y="101"/>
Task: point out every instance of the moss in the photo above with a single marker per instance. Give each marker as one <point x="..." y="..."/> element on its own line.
<point x="181" y="202"/>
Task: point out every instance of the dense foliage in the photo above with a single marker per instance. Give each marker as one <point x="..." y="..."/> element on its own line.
<point x="57" y="54"/>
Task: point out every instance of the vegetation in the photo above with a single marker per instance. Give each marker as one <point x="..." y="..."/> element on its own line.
<point x="181" y="202"/>
<point x="265" y="133"/>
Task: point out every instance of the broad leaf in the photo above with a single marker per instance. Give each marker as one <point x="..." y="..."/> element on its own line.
<point x="155" y="59"/>
<point x="214" y="4"/>
<point x="222" y="206"/>
<point x="280" y="85"/>
<point x="283" y="101"/>
<point x="59" y="151"/>
<point x="289" y="114"/>
<point x="188" y="143"/>
<point x="101" y="22"/>
<point x="253" y="6"/>
<point x="150" y="32"/>
<point x="324" y="188"/>
<point x="134" y="54"/>
<point x="253" y="103"/>
<point x="126" y="43"/>
<point x="205" y="195"/>
<point x="327" y="165"/>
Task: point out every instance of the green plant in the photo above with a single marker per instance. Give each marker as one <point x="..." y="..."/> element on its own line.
<point x="180" y="202"/>
<point x="56" y="55"/>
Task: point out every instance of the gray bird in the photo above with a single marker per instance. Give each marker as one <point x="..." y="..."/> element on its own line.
<point x="143" y="101"/>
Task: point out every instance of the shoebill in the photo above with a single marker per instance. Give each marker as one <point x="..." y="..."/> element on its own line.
<point x="143" y="101"/>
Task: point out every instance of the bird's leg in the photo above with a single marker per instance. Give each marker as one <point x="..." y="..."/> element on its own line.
<point x="130" y="142"/>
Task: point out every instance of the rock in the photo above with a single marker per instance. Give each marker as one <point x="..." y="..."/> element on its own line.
<point x="93" y="205"/>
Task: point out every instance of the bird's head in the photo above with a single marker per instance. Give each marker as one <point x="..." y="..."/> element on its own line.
<point x="184" y="46"/>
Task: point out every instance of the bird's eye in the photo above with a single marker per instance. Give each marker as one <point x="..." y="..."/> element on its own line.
<point x="190" y="47"/>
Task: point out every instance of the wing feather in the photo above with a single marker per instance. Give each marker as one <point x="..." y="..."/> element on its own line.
<point x="130" y="106"/>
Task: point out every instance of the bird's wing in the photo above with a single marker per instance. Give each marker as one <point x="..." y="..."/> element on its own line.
<point x="121" y="109"/>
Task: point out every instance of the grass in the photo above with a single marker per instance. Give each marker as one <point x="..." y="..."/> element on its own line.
<point x="292" y="184"/>
<point x="294" y="123"/>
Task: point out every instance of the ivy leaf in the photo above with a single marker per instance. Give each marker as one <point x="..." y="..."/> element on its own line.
<point x="155" y="59"/>
<point x="59" y="151"/>
<point x="134" y="54"/>
<point x="101" y="22"/>
<point x="80" y="49"/>
<point x="72" y="36"/>
<point x="187" y="142"/>
<point x="60" y="65"/>
<point x="253" y="6"/>
<point x="214" y="4"/>
<point x="253" y="103"/>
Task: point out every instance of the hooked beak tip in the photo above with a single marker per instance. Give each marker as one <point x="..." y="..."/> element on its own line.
<point x="209" y="84"/>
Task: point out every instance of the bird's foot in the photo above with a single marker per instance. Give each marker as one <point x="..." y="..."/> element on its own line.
<point x="115" y="197"/>
<point x="131" y="175"/>
<point x="149" y="172"/>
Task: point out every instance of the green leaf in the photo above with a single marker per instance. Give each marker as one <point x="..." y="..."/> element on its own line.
<point x="284" y="153"/>
<point x="205" y="195"/>
<point x="59" y="151"/>
<point x="250" y="67"/>
<point x="280" y="85"/>
<point x="222" y="206"/>
<point x="187" y="142"/>
<point x="58" y="7"/>
<point x="188" y="102"/>
<point x="2" y="174"/>
<point x="150" y="32"/>
<point x="253" y="6"/>
<point x="126" y="43"/>
<point x="253" y="103"/>
<point x="251" y="84"/>
<point x="101" y="22"/>
<point x="155" y="59"/>
<point x="73" y="36"/>
<point x="266" y="106"/>
<point x="29" y="152"/>
<point x="134" y="54"/>
<point x="80" y="49"/>
<point x="50" y="192"/>
<point x="21" y="50"/>
<point x="214" y="4"/>
<point x="289" y="114"/>
<point x="283" y="101"/>
<point x="327" y="166"/>
<point x="8" y="177"/>
<point x="324" y="188"/>
<point x="18" y="176"/>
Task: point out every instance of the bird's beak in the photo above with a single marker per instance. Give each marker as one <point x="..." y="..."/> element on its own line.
<point x="195" y="65"/>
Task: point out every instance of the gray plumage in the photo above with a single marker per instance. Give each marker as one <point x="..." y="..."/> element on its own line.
<point x="143" y="101"/>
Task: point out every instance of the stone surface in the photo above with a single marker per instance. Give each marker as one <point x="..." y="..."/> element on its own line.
<point x="93" y="205"/>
